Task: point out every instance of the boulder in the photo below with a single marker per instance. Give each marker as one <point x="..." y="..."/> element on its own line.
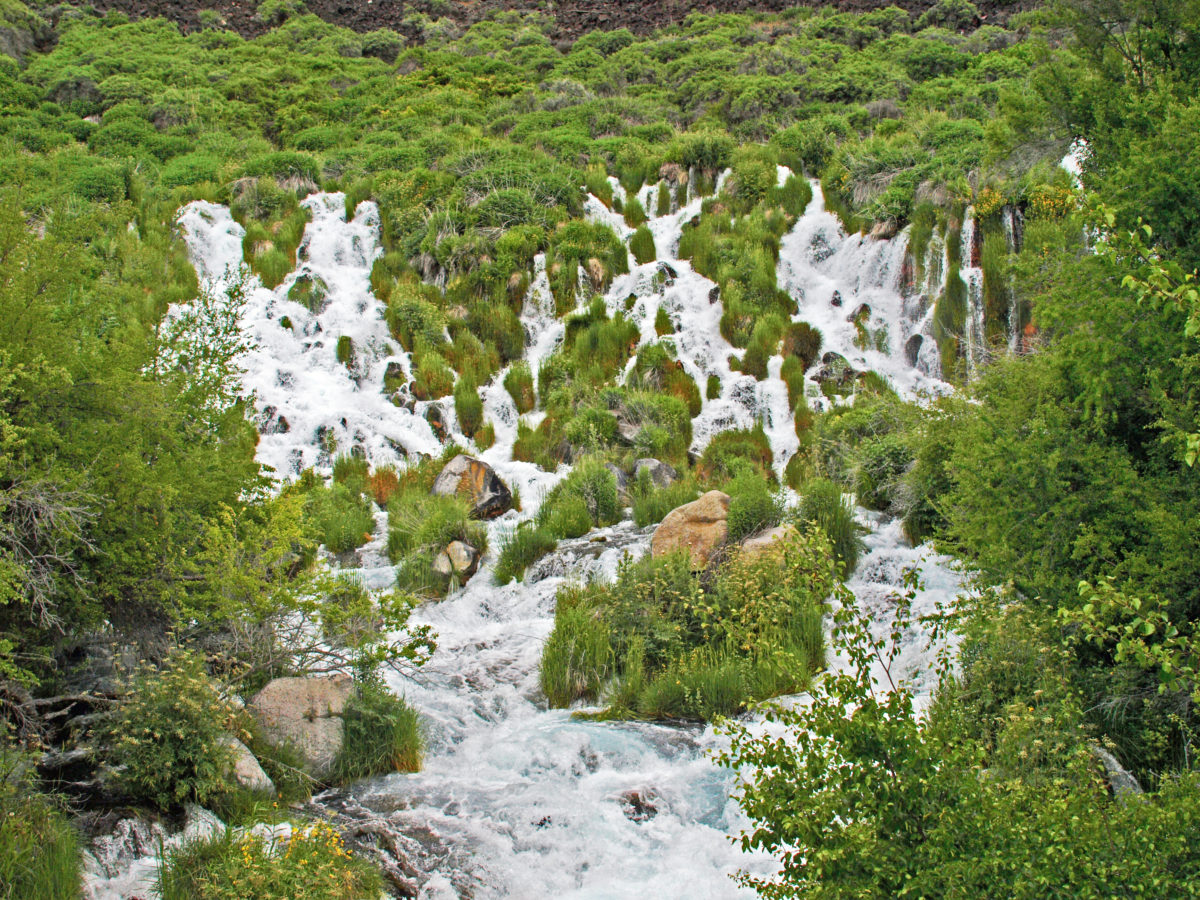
<point x="763" y="541"/>
<point x="661" y="474"/>
<point x="246" y="769"/>
<point x="699" y="527"/>
<point x="476" y="481"/>
<point x="459" y="560"/>
<point x="306" y="713"/>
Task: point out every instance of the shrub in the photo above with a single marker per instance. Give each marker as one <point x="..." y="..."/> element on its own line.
<point x="802" y="341"/>
<point x="351" y="471"/>
<point x="468" y="407"/>
<point x="271" y="266"/>
<point x="663" y="200"/>
<point x="635" y="213"/>
<point x="312" y="864"/>
<point x="169" y="737"/>
<point x="419" y="522"/>
<point x="345" y="350"/>
<point x="433" y="378"/>
<point x="382" y="484"/>
<point x="382" y="734"/>
<point x="519" y="384"/>
<point x="591" y="482"/>
<point x="662" y="323"/>
<point x="706" y="685"/>
<point x="641" y="245"/>
<point x="713" y="389"/>
<point x="485" y="437"/>
<point x="822" y="504"/>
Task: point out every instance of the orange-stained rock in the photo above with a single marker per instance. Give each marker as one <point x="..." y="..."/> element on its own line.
<point x="700" y="527"/>
<point x="474" y="481"/>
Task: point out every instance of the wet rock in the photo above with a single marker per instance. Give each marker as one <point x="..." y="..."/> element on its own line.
<point x="437" y="421"/>
<point x="477" y="482"/>
<point x="665" y="274"/>
<point x="394" y="377"/>
<point x="246" y="770"/>
<point x="714" y="295"/>
<point x="861" y="313"/>
<point x="836" y="370"/>
<point x="305" y="712"/>
<point x="836" y="299"/>
<point x="700" y="527"/>
<point x="884" y="231"/>
<point x="765" y="541"/>
<point x="912" y="349"/>
<point x="459" y="560"/>
<point x="640" y="805"/>
<point x="661" y="474"/>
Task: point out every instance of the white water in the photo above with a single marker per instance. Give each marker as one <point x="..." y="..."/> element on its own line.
<point x="516" y="800"/>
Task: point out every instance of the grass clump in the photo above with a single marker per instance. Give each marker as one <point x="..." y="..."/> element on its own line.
<point x="468" y="406"/>
<point x="753" y="505"/>
<point x="338" y="516"/>
<point x="641" y="245"/>
<point x="39" y="850"/>
<point x="524" y="546"/>
<point x="823" y="504"/>
<point x="313" y="863"/>
<point x="420" y="525"/>
<point x="720" y="460"/>
<point x="382" y="734"/>
<point x="651" y="503"/>
<point x="519" y="383"/>
<point x="660" y="642"/>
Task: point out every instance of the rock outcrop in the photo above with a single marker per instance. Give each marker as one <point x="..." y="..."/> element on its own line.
<point x="700" y="527"/>
<point x="246" y="769"/>
<point x="477" y="482"/>
<point x="306" y="713"/>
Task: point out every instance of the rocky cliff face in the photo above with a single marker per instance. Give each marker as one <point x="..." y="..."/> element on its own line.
<point x="572" y="17"/>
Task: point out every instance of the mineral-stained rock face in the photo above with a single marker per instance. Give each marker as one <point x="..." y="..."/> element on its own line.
<point x="476" y="482"/>
<point x="700" y="527"/>
<point x="306" y="713"/>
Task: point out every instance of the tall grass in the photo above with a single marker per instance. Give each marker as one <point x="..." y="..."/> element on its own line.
<point x="651" y="503"/>
<point x="524" y="546"/>
<point x="39" y="850"/>
<point x="519" y="384"/>
<point x="382" y="734"/>
<point x="822" y="503"/>
<point x="577" y="660"/>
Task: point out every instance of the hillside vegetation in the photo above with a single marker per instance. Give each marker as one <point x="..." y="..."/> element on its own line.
<point x="1060" y="471"/>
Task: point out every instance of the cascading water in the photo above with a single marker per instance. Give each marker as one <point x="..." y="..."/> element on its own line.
<point x="516" y="800"/>
<point x="850" y="288"/>
<point x="972" y="278"/>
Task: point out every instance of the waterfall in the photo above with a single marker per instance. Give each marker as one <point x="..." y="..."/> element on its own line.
<point x="516" y="799"/>
<point x="972" y="277"/>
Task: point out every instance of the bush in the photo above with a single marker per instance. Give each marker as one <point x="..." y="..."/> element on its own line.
<point x="169" y="738"/>
<point x="345" y="350"/>
<point x="382" y="734"/>
<point x="641" y="245"/>
<point x="822" y="504"/>
<point x="419" y="522"/>
<point x="802" y="341"/>
<point x="753" y="506"/>
<point x="39" y="850"/>
<point x="593" y="484"/>
<point x="635" y="213"/>
<point x="312" y="864"/>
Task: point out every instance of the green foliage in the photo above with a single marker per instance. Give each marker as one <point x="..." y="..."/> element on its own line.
<point x="518" y="381"/>
<point x="345" y="350"/>
<point x="382" y="735"/>
<point x="730" y="449"/>
<point x="313" y="862"/>
<point x="39" y="850"/>
<point x="651" y="503"/>
<point x="468" y="406"/>
<point x="822" y="503"/>
<point x="523" y="546"/>
<point x="170" y="735"/>
<point x="753" y="505"/>
<point x="577" y="658"/>
<point x="641" y="245"/>
<point x="338" y="516"/>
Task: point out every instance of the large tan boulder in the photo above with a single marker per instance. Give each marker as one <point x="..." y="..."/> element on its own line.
<point x="306" y="713"/>
<point x="474" y="481"/>
<point x="699" y="527"/>
<point x="767" y="541"/>
<point x="246" y="769"/>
